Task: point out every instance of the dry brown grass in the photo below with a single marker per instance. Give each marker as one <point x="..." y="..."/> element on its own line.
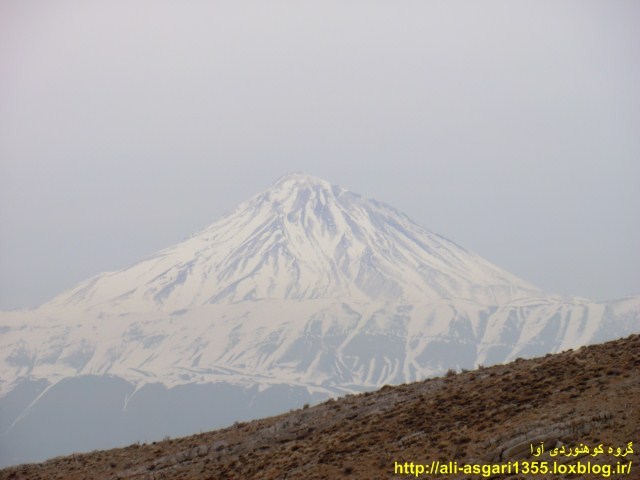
<point x="586" y="396"/>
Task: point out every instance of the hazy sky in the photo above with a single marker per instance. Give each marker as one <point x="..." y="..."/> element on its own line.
<point x="512" y="128"/>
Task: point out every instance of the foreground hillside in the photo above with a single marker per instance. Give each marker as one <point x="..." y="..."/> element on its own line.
<point x="487" y="416"/>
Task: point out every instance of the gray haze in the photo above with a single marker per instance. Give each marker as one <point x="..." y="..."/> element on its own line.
<point x="512" y="128"/>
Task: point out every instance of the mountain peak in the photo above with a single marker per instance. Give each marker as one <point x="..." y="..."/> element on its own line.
<point x="295" y="182"/>
<point x="299" y="195"/>
<point x="300" y="179"/>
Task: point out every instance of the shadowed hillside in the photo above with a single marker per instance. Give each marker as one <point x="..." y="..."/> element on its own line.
<point x="487" y="416"/>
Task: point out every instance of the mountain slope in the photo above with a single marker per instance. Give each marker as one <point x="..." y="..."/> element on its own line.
<point x="487" y="416"/>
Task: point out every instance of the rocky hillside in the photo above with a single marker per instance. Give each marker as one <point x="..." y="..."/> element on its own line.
<point x="486" y="416"/>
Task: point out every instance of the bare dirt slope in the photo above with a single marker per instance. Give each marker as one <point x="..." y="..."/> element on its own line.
<point x="590" y="396"/>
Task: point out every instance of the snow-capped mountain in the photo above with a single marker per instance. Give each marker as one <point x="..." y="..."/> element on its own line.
<point x="301" y="239"/>
<point x="304" y="291"/>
